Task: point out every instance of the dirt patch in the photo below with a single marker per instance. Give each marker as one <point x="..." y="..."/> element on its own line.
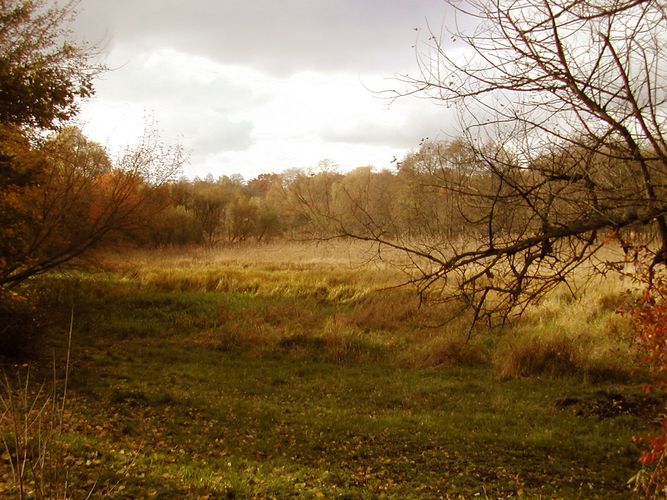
<point x="605" y="404"/>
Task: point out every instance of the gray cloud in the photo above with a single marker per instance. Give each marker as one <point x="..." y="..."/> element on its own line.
<point x="201" y="105"/>
<point x="419" y="120"/>
<point x="167" y="81"/>
<point x="275" y="36"/>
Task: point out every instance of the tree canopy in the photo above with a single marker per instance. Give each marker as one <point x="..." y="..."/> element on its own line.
<point x="43" y="73"/>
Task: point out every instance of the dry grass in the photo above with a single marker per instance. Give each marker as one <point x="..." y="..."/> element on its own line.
<point x="275" y="256"/>
<point x="334" y="301"/>
<point x="328" y="272"/>
<point x="584" y="334"/>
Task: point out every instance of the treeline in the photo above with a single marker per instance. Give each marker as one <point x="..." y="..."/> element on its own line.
<point x="442" y="192"/>
<point x="224" y="210"/>
<point x="406" y="201"/>
<point x="67" y="196"/>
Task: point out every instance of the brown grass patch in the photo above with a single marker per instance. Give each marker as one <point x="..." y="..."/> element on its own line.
<point x="446" y="352"/>
<point x="386" y="310"/>
<point x="542" y="357"/>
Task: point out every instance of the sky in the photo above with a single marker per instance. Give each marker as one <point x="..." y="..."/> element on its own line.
<point x="255" y="86"/>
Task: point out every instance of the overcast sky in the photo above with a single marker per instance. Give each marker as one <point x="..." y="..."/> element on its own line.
<point x="251" y="86"/>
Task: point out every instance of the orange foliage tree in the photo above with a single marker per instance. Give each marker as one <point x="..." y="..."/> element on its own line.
<point x="82" y="200"/>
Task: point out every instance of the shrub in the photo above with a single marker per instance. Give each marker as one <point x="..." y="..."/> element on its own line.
<point x="600" y="371"/>
<point x="20" y="325"/>
<point x="650" y="315"/>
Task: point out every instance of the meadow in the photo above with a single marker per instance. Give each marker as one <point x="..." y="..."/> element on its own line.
<point x="301" y="370"/>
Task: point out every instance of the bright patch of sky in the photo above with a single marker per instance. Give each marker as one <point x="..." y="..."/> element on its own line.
<point x="261" y="86"/>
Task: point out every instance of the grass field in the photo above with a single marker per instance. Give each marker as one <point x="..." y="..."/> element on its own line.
<point x="298" y="371"/>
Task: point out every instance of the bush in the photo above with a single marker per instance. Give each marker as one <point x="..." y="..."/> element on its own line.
<point x="176" y="226"/>
<point x="650" y="315"/>
<point x="20" y="325"/>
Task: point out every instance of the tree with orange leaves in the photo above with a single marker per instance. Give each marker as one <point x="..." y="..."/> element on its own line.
<point x="82" y="200"/>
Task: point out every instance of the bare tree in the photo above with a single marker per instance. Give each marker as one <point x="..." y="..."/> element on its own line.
<point x="563" y="107"/>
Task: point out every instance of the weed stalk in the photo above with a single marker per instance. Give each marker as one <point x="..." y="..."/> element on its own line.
<point x="35" y="424"/>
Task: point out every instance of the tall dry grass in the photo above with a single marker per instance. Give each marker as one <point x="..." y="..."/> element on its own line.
<point x="334" y="300"/>
<point x="586" y="333"/>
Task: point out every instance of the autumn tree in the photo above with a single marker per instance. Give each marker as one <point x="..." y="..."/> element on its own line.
<point x="209" y="202"/>
<point x="43" y="74"/>
<point x="315" y="202"/>
<point x="429" y="205"/>
<point x="42" y="77"/>
<point x="178" y="223"/>
<point x="266" y="191"/>
<point x="285" y="197"/>
<point x="83" y="200"/>
<point x="263" y="184"/>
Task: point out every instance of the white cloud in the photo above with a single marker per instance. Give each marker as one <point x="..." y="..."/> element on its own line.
<point x="192" y="100"/>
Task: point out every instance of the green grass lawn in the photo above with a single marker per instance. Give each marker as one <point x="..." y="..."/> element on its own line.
<point x="236" y="394"/>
